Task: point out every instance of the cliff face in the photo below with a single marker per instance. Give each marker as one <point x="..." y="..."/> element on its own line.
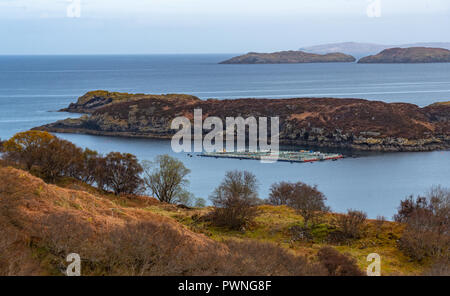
<point x="289" y="57"/>
<point x="324" y="122"/>
<point x="409" y="55"/>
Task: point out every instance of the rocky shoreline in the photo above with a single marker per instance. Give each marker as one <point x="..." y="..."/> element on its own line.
<point x="320" y="122"/>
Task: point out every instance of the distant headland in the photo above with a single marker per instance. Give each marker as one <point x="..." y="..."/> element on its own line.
<point x="409" y="55"/>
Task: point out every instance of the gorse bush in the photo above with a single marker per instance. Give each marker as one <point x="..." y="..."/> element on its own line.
<point x="235" y="200"/>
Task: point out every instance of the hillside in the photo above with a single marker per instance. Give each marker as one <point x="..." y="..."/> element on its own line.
<point x="40" y="224"/>
<point x="360" y="49"/>
<point x="409" y="55"/>
<point x="352" y="48"/>
<point x="325" y="122"/>
<point x="289" y="57"/>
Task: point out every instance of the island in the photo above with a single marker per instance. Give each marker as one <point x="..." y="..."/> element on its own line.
<point x="312" y="122"/>
<point x="290" y="57"/>
<point x="409" y="55"/>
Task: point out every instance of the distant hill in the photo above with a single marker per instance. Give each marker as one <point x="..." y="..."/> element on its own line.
<point x="358" y="49"/>
<point x="289" y="57"/>
<point x="409" y="55"/>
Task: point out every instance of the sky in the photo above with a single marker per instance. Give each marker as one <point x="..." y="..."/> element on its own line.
<point x="213" y="26"/>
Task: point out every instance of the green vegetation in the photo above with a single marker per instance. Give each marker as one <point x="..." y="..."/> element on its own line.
<point x="166" y="179"/>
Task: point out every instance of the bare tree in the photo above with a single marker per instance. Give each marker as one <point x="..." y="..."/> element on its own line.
<point x="427" y="219"/>
<point x="280" y="193"/>
<point x="166" y="179"/>
<point x="352" y="224"/>
<point x="235" y="200"/>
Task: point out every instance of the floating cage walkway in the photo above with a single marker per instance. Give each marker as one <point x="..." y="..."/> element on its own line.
<point x="290" y="156"/>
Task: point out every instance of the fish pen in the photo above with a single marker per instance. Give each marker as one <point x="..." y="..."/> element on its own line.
<point x="288" y="156"/>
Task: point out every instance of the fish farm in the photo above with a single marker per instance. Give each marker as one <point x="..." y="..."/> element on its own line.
<point x="289" y="156"/>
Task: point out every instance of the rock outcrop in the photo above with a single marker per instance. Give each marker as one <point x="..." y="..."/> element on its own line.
<point x="409" y="55"/>
<point x="324" y="122"/>
<point x="289" y="57"/>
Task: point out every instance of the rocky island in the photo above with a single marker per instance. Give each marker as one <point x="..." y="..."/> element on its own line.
<point x="322" y="122"/>
<point x="289" y="57"/>
<point x="409" y="55"/>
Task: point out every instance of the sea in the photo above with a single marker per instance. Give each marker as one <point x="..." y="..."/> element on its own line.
<point x="34" y="88"/>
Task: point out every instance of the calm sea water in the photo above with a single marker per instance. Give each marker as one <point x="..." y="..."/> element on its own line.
<point x="32" y="88"/>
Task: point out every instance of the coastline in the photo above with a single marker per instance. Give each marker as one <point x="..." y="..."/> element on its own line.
<point x="354" y="124"/>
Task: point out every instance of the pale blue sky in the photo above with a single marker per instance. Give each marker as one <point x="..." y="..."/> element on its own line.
<point x="213" y="26"/>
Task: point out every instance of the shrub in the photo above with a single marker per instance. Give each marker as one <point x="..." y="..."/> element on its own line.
<point x="156" y="248"/>
<point x="280" y="193"/>
<point x="267" y="259"/>
<point x="60" y="158"/>
<point x="300" y="233"/>
<point x="200" y="203"/>
<point x="352" y="224"/>
<point x="439" y="268"/>
<point x="427" y="231"/>
<point x="305" y="199"/>
<point x="122" y="173"/>
<point x="379" y="223"/>
<point x="166" y="179"/>
<point x="25" y="148"/>
<point x="409" y="206"/>
<point x="338" y="264"/>
<point x="44" y="155"/>
<point x="235" y="200"/>
<point x="90" y="166"/>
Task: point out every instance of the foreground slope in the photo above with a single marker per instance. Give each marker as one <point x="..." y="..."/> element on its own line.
<point x="41" y="224"/>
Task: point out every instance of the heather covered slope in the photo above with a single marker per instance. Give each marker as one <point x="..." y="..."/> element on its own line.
<point x="41" y="224"/>
<point x="409" y="55"/>
<point x="326" y="122"/>
<point x="289" y="57"/>
<point x="118" y="235"/>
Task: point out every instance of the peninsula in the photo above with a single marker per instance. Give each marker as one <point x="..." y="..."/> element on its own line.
<point x="322" y="122"/>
